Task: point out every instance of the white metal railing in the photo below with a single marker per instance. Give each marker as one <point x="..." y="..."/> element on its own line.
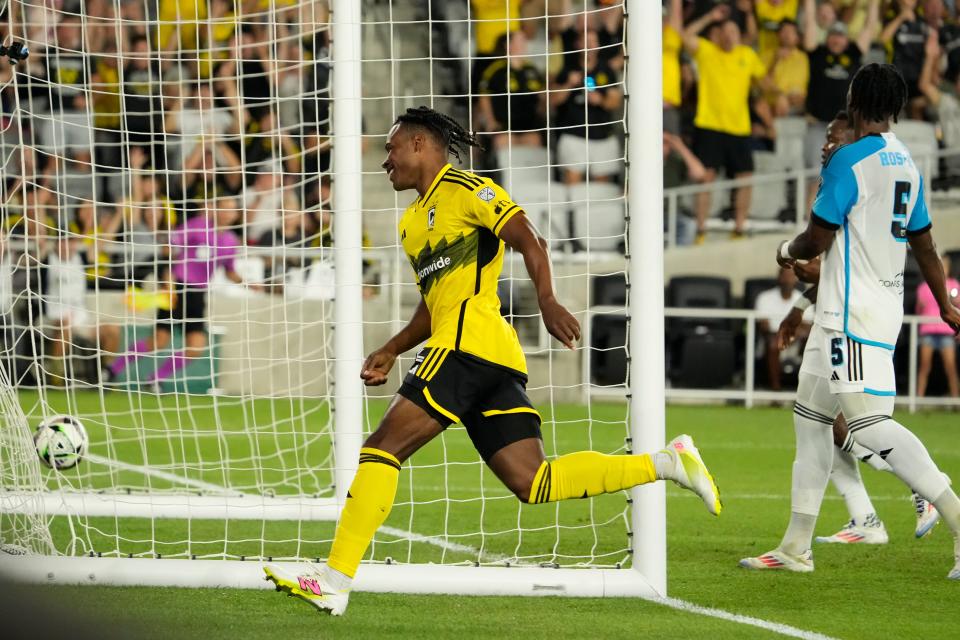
<point x="748" y="393"/>
<point x="927" y="162"/>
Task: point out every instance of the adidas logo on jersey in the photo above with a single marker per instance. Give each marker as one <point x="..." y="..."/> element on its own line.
<point x="835" y="377"/>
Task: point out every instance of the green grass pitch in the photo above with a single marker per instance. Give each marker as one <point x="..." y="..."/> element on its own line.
<point x="897" y="590"/>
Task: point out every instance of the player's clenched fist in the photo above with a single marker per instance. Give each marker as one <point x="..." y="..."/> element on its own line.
<point x="377" y="366"/>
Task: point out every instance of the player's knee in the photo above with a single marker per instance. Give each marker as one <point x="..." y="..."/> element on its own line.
<point x="522" y="491"/>
<point x="520" y="483"/>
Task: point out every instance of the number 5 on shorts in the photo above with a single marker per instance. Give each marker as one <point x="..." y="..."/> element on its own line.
<point x="836" y="352"/>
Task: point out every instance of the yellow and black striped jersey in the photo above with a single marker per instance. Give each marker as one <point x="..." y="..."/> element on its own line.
<point x="451" y="236"/>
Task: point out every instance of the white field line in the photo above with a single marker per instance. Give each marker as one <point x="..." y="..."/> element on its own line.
<point x="441" y="543"/>
<point x="435" y="541"/>
<point x="163" y="475"/>
<point x="775" y="627"/>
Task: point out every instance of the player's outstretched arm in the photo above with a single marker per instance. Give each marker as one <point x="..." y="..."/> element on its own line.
<point x="691" y="35"/>
<point x="925" y="252"/>
<point x="378" y="364"/>
<point x="520" y="235"/>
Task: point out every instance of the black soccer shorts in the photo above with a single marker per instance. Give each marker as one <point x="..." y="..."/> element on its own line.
<point x="489" y="400"/>
<point x="188" y="309"/>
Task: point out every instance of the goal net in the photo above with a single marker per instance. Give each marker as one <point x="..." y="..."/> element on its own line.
<point x="185" y="269"/>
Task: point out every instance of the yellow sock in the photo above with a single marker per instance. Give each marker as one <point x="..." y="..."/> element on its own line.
<point x="588" y="473"/>
<point x="369" y="501"/>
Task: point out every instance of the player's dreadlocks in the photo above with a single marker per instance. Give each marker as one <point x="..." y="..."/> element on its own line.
<point x="878" y="92"/>
<point x="447" y="131"/>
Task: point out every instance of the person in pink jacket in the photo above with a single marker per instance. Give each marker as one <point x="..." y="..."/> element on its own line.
<point x="937" y="336"/>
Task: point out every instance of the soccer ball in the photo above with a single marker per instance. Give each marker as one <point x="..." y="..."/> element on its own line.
<point x="61" y="442"/>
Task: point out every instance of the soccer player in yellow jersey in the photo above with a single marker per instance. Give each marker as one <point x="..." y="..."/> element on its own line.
<point x="471" y="368"/>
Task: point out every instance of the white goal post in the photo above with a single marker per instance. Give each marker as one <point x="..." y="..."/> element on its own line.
<point x="639" y="571"/>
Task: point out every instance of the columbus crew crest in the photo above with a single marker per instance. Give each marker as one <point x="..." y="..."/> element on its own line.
<point x="431" y="217"/>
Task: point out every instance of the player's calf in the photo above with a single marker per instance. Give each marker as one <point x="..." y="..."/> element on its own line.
<point x="588" y="473"/>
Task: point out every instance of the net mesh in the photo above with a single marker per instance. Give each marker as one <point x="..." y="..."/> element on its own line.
<point x="23" y="528"/>
<point x="177" y="154"/>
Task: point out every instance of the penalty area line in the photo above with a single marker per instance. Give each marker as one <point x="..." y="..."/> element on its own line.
<point x="775" y="627"/>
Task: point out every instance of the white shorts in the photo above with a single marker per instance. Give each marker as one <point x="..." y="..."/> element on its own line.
<point x="849" y="366"/>
<point x="601" y="155"/>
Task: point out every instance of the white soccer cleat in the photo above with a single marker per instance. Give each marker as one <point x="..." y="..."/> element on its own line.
<point x="689" y="472"/>
<point x="309" y="587"/>
<point x="870" y="532"/>
<point x="927" y="515"/>
<point x="778" y="559"/>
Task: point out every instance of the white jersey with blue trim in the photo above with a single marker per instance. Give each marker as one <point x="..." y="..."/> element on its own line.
<point x="871" y="194"/>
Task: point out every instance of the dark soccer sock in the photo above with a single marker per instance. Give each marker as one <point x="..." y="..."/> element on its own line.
<point x="588" y="473"/>
<point x="369" y="501"/>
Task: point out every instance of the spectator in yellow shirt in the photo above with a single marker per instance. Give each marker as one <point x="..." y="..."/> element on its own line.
<point x="770" y="15"/>
<point x="788" y="72"/>
<point x="726" y="73"/>
<point x="491" y="19"/>
<point x="672" y="46"/>
<point x="178" y="22"/>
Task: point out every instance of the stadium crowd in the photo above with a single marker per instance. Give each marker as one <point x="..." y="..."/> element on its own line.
<point x="732" y="69"/>
<point x="139" y="117"/>
<point x="130" y="129"/>
<point x="134" y="124"/>
<point x="227" y="99"/>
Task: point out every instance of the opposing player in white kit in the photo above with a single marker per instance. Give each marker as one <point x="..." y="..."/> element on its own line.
<point x="869" y="206"/>
<point x="864" y="526"/>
